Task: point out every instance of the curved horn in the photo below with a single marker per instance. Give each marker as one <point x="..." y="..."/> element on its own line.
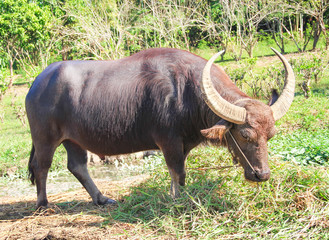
<point x="281" y="106"/>
<point x="216" y="103"/>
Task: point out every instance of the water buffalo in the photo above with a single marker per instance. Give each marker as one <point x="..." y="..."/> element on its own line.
<point x="165" y="99"/>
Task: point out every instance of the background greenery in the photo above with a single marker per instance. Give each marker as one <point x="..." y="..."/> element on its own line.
<point x="36" y="33"/>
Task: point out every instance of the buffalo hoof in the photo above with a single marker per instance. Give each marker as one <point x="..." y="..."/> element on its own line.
<point x="40" y="209"/>
<point x="106" y="201"/>
<point x="102" y="200"/>
<point x="110" y="202"/>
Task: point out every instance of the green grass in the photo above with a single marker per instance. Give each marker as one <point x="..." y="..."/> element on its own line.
<point x="306" y="114"/>
<point x="15" y="141"/>
<point x="222" y="205"/>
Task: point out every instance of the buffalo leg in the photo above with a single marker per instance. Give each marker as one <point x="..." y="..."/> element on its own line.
<point x="40" y="164"/>
<point x="175" y="159"/>
<point x="77" y="165"/>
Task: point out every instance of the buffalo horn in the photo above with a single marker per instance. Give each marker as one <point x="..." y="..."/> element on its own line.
<point x="281" y="106"/>
<point x="216" y="103"/>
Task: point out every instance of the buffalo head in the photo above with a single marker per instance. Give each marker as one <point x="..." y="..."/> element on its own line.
<point x="247" y="124"/>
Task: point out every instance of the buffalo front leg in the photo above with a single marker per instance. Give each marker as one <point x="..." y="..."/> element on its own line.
<point x="77" y="165"/>
<point x="175" y="160"/>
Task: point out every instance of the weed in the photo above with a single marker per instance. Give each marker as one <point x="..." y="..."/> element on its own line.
<point x="302" y="147"/>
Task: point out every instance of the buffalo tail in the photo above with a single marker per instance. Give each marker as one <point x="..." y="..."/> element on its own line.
<point x="31" y="173"/>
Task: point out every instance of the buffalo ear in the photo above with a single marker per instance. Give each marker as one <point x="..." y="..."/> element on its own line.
<point x="217" y="131"/>
<point x="274" y="97"/>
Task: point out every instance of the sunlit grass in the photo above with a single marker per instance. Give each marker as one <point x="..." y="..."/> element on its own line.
<point x="222" y="205"/>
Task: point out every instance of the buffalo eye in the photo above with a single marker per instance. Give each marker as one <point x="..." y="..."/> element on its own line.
<point x="245" y="135"/>
<point x="249" y="134"/>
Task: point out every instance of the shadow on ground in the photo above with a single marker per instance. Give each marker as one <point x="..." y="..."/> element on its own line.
<point x="72" y="215"/>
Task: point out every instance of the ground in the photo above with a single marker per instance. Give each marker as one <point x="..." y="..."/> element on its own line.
<point x="70" y="215"/>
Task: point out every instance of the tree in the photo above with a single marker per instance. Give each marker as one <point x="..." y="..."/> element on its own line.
<point x="306" y="21"/>
<point x="316" y="9"/>
<point x="167" y="23"/>
<point x="110" y="29"/>
<point x="242" y="18"/>
<point x="24" y="29"/>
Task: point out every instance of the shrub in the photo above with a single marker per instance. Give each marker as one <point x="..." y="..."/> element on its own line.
<point x="309" y="69"/>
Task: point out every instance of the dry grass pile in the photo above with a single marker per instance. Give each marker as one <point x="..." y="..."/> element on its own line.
<point x="70" y="215"/>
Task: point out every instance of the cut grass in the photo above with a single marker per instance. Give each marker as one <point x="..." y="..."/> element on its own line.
<point x="222" y="205"/>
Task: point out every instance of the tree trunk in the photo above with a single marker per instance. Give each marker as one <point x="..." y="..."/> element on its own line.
<point x="11" y="67"/>
<point x="301" y="28"/>
<point x="316" y="34"/>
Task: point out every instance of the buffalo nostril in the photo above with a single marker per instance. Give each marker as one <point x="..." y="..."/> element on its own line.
<point x="262" y="175"/>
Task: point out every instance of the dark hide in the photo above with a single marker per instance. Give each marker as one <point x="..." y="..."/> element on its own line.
<point x="150" y="100"/>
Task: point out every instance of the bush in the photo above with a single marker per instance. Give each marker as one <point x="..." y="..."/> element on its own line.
<point x="309" y="69"/>
<point x="258" y="83"/>
<point x="4" y="73"/>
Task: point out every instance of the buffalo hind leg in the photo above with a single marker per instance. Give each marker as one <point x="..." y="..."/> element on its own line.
<point x="77" y="165"/>
<point x="40" y="162"/>
<point x="175" y="159"/>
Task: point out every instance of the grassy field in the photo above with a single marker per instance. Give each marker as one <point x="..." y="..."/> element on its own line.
<point x="215" y="204"/>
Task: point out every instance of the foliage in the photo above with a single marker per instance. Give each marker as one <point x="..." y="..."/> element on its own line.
<point x="238" y="73"/>
<point x="259" y="83"/>
<point x="303" y="132"/>
<point x="24" y="30"/>
<point x="94" y="31"/>
<point x="3" y="75"/>
<point x="303" y="147"/>
<point x="34" y="33"/>
<point x="309" y="69"/>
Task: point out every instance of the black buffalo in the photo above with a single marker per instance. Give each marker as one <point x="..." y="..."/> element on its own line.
<point x="165" y="99"/>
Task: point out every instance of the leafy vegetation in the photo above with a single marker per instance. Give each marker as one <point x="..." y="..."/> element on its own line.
<point x="303" y="147"/>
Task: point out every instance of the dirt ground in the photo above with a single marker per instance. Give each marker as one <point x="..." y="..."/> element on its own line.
<point x="70" y="215"/>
